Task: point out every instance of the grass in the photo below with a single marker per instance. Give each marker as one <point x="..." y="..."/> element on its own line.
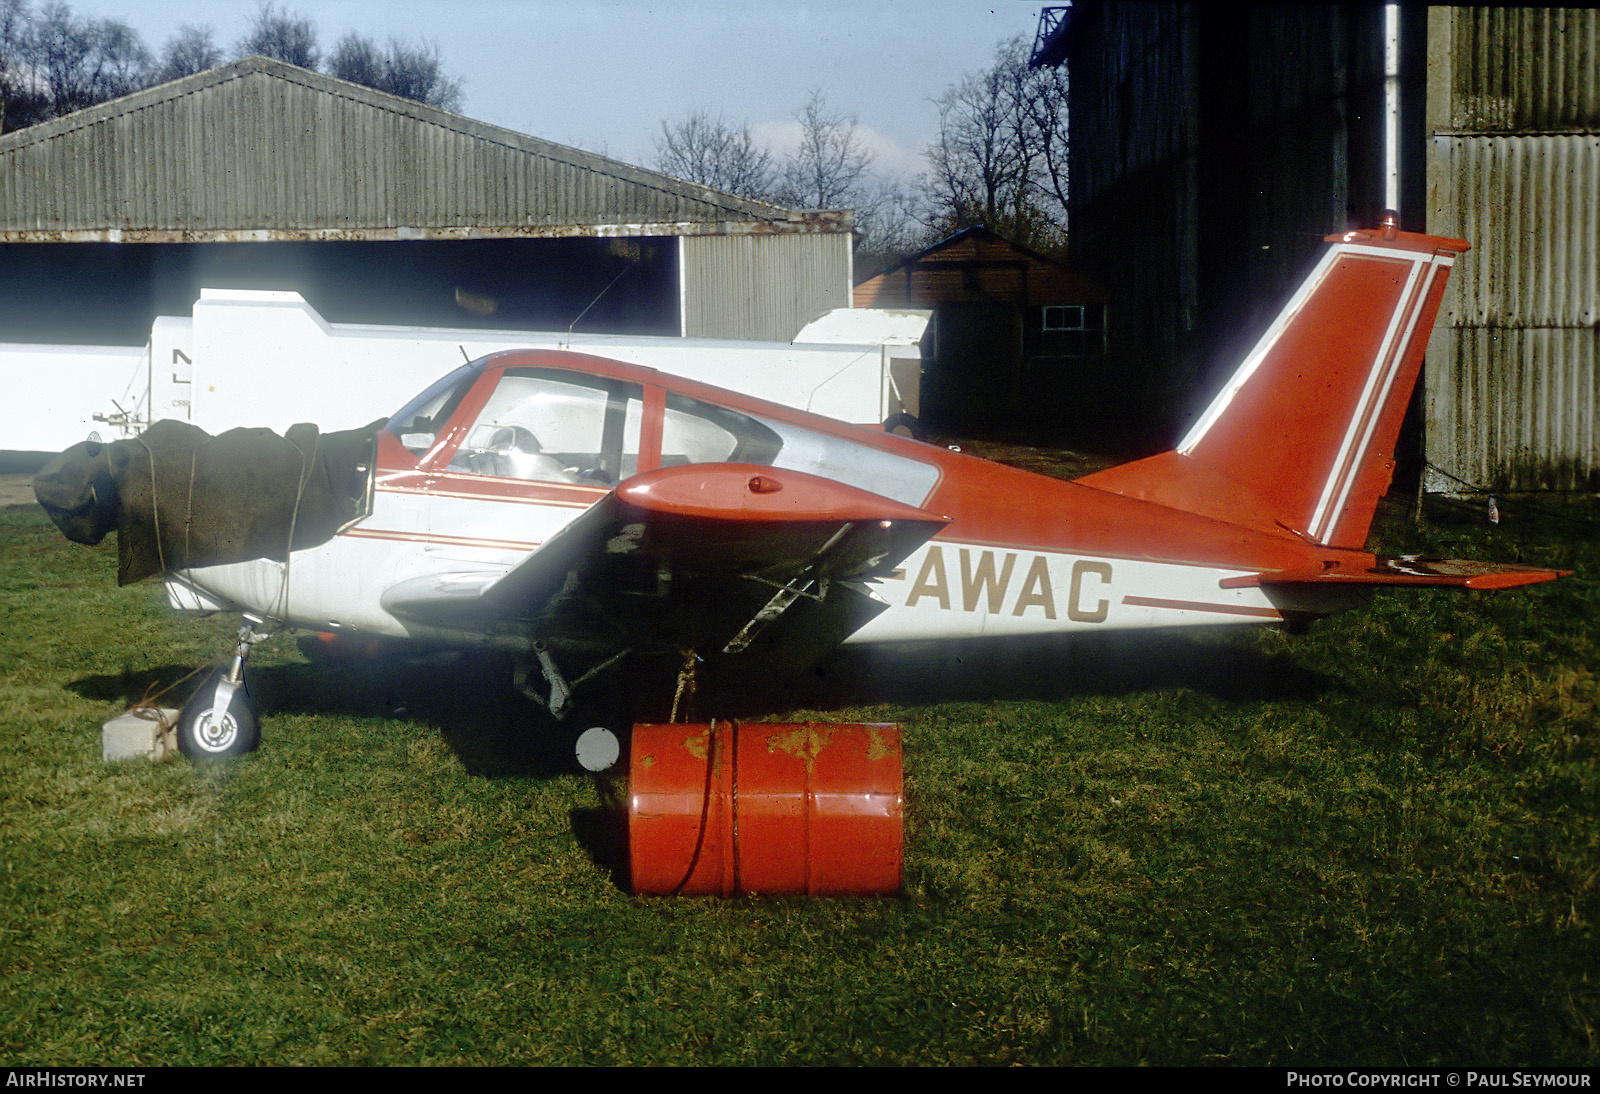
<point x="1375" y="844"/>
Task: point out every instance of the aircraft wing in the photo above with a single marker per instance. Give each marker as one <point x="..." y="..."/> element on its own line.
<point x="714" y="558"/>
<point x="1364" y="569"/>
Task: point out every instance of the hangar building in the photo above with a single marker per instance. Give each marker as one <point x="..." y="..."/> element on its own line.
<point x="377" y="209"/>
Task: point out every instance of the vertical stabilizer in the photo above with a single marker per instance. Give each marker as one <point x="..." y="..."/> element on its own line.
<point x="1303" y="435"/>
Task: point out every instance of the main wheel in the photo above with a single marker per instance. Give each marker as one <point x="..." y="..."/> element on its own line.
<point x="218" y="728"/>
<point x="905" y="425"/>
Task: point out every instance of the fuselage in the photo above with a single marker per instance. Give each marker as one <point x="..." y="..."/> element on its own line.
<point x="1022" y="553"/>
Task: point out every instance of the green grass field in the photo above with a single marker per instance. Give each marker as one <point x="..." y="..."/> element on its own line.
<point x="1373" y="844"/>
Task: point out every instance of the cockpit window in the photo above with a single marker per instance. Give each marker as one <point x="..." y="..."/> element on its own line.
<point x="698" y="432"/>
<point x="555" y="426"/>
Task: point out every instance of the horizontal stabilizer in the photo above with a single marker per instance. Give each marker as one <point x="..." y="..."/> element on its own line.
<point x="1405" y="570"/>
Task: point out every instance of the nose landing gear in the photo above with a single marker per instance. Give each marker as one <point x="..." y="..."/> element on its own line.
<point x="219" y="721"/>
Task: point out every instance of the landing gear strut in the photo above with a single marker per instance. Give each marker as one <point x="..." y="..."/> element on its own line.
<point x="219" y="721"/>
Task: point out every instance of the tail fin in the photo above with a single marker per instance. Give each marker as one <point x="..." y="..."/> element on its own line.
<point x="1303" y="435"/>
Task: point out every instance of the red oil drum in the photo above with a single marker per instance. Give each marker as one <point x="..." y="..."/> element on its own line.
<point x="724" y="808"/>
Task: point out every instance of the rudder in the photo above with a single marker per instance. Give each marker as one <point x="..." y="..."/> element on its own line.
<point x="1303" y="434"/>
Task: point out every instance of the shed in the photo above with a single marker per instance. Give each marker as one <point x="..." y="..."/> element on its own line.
<point x="262" y="175"/>
<point x="1016" y="338"/>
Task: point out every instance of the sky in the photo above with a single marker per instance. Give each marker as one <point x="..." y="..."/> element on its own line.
<point x="604" y="74"/>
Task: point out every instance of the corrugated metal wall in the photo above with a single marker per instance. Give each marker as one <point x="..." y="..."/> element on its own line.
<point x="1133" y="57"/>
<point x="1513" y="374"/>
<point x="761" y="286"/>
<point x="1134" y="122"/>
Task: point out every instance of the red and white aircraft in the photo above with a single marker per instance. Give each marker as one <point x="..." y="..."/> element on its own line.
<point x="590" y="515"/>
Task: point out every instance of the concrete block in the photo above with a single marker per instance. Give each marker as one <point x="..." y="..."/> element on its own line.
<point x="137" y="735"/>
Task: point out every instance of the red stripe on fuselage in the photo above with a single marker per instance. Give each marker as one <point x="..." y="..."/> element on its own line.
<point x="1196" y="606"/>
<point x="428" y="537"/>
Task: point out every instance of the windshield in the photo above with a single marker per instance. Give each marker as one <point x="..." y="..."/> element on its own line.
<point x="419" y="421"/>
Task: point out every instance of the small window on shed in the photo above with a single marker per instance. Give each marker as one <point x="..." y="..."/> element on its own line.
<point x="1072" y="330"/>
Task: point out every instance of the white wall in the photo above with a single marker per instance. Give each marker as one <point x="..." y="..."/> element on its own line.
<point x="258" y="358"/>
<point x="56" y="391"/>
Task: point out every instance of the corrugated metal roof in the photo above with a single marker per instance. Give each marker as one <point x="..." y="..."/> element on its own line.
<point x="261" y="150"/>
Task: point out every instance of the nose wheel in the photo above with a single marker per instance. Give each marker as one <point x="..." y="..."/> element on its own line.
<point x="219" y="721"/>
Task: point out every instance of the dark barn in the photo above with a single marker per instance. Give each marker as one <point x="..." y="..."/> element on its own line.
<point x="1214" y="146"/>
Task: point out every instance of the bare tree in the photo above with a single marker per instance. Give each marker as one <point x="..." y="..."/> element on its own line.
<point x="193" y="49"/>
<point x="356" y="59"/>
<point x="410" y="71"/>
<point x="830" y="168"/>
<point x="19" y="98"/>
<point x="414" y="72"/>
<point x="80" y="62"/>
<point x="282" y="35"/>
<point x="711" y="152"/>
<point x="1042" y="95"/>
<point x="887" y="226"/>
<point x="1000" y="158"/>
<point x="124" y="64"/>
<point x="58" y="50"/>
<point x="53" y="62"/>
